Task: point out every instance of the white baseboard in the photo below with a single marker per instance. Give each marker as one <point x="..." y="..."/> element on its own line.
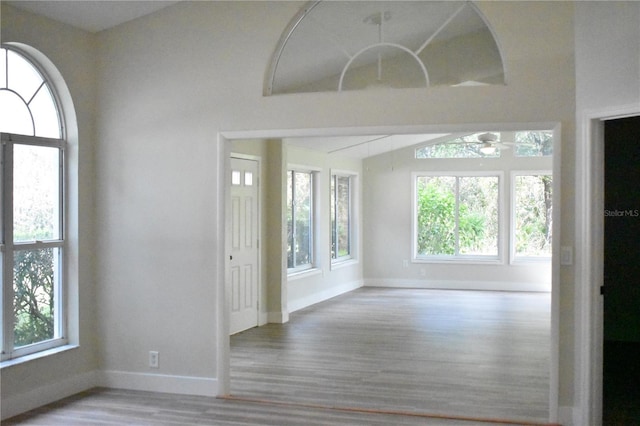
<point x="47" y="394"/>
<point x="457" y="285"/>
<point x="312" y="299"/>
<point x="185" y="385"/>
<point x="277" y="317"/>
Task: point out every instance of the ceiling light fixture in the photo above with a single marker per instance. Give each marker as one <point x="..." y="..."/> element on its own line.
<point x="488" y="148"/>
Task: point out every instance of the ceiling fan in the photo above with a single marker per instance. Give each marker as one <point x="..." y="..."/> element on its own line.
<point x="489" y="143"/>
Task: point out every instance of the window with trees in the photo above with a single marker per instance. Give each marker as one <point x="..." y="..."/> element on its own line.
<point x="532" y="214"/>
<point x="300" y="225"/>
<point x="341" y="217"/>
<point x="32" y="186"/>
<point x="457" y="217"/>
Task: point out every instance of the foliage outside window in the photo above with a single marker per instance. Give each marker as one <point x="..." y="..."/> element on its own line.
<point x="457" y="216"/>
<point x="299" y="220"/>
<point x="32" y="206"/>
<point x="534" y="143"/>
<point x="533" y="215"/>
<point x="340" y="217"/>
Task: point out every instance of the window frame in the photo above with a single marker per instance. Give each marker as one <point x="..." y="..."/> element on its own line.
<point x="352" y="209"/>
<point x="497" y="259"/>
<point x="10" y="247"/>
<point x="514" y="258"/>
<point x="313" y="215"/>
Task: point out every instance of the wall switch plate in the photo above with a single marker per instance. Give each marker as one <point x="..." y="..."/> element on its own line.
<point x="566" y="255"/>
<point x="154" y="359"/>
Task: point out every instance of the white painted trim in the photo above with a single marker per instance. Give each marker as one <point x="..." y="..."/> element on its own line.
<point x="312" y="299"/>
<point x="185" y="385"/>
<point x="458" y="285"/>
<point x="47" y="394"/>
<point x="590" y="258"/>
<point x="569" y="416"/>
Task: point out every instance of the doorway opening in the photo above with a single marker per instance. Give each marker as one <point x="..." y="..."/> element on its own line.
<point x="553" y="376"/>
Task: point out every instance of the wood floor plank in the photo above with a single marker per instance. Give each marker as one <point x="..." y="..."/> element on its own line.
<point x="444" y="353"/>
<point x="469" y="353"/>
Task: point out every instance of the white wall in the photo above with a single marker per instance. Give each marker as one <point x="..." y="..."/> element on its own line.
<point x="168" y="84"/>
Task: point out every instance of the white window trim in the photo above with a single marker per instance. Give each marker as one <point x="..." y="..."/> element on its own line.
<point x="315" y="214"/>
<point x="514" y="259"/>
<point x="352" y="257"/>
<point x="459" y="259"/>
<point x="61" y="340"/>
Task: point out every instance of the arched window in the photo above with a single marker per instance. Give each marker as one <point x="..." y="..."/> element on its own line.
<point x="33" y="226"/>
<point x="356" y="45"/>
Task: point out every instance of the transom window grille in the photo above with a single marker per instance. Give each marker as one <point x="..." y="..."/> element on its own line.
<point x="32" y="209"/>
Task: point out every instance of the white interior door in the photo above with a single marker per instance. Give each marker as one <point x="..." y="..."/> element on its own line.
<point x="244" y="270"/>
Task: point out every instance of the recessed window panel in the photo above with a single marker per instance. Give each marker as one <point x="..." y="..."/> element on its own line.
<point x="34" y="288"/>
<point x="36" y="193"/>
<point x="533" y="215"/>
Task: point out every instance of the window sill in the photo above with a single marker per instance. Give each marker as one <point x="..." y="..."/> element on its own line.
<point x="37" y="355"/>
<point x="303" y="274"/>
<point x="459" y="261"/>
<point x="343" y="263"/>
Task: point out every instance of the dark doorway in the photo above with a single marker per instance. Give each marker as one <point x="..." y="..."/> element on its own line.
<point x="621" y="369"/>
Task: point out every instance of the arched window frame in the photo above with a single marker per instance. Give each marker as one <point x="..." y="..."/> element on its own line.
<point x="56" y="242"/>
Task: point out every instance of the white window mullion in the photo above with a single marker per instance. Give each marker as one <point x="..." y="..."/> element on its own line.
<point x="7" y="250"/>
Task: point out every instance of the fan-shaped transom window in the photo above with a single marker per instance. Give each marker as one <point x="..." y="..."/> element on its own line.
<point x="355" y="45"/>
<point x="27" y="105"/>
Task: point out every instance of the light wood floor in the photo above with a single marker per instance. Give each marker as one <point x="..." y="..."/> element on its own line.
<point x="432" y="354"/>
<point x="457" y="353"/>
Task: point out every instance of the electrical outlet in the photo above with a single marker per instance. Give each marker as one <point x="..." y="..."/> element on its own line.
<point x="154" y="359"/>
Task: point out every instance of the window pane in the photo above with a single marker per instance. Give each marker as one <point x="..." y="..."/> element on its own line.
<point x="22" y="76"/>
<point x="235" y="177"/>
<point x="3" y="68"/>
<point x="248" y="179"/>
<point x="340" y="216"/>
<point x="302" y="215"/>
<point x="533" y="215"/>
<point x="45" y="114"/>
<point x="478" y="215"/>
<point x="36" y="193"/>
<point x="436" y="215"/>
<point x="14" y="115"/>
<point x="461" y="147"/>
<point x="290" y="238"/>
<point x="534" y="143"/>
<point x="33" y="300"/>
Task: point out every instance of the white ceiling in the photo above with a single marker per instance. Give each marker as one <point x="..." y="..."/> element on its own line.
<point x="98" y="15"/>
<point x="92" y="15"/>
<point x="360" y="147"/>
